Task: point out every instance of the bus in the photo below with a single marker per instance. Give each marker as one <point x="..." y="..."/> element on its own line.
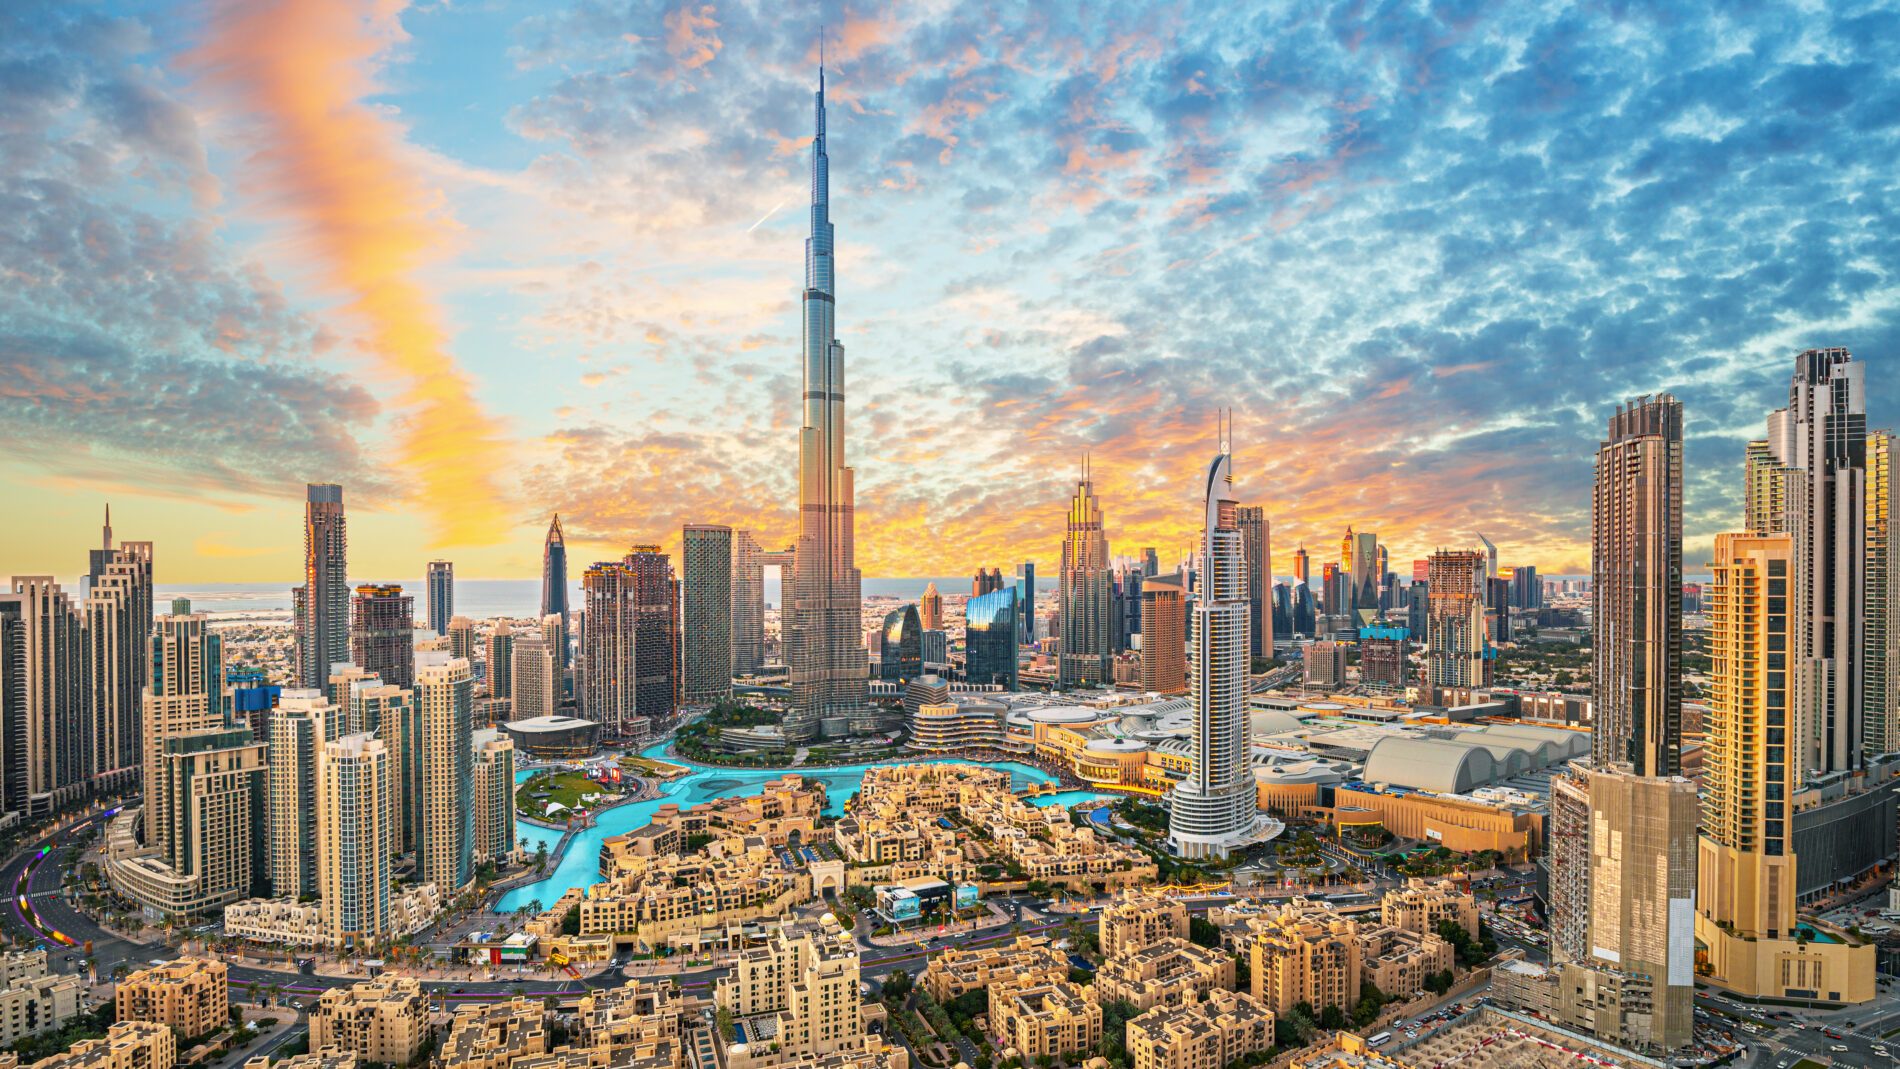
<point x="1379" y="1040"/>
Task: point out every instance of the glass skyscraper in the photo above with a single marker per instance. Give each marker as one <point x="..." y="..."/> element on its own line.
<point x="903" y="657"/>
<point x="990" y="638"/>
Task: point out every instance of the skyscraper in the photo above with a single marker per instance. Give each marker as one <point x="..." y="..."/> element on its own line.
<point x="1456" y="653"/>
<point x="389" y="713"/>
<point x="1636" y="590"/>
<point x="354" y="834"/>
<point x="533" y="679"/>
<point x="824" y="646"/>
<point x="1764" y="490"/>
<point x="1361" y="562"/>
<point x="494" y="796"/>
<point x="1302" y="566"/>
<point x="462" y="639"/>
<point x="1746" y="880"/>
<point x="1164" y="636"/>
<point x="13" y="691"/>
<point x="1256" y="540"/>
<point x="930" y="608"/>
<point x="631" y="642"/>
<point x="1150" y="562"/>
<point x="1212" y="810"/>
<point x="903" y="654"/>
<point x="1821" y="437"/>
<point x="383" y="633"/>
<point x="117" y="628"/>
<point x="445" y="703"/>
<point x="990" y="638"/>
<point x="1882" y="641"/>
<point x="499" y="655"/>
<point x="1082" y="587"/>
<point x="303" y="722"/>
<point x="706" y="613"/>
<point x="748" y="605"/>
<point x="55" y="740"/>
<point x="323" y="625"/>
<point x="554" y="585"/>
<point x="441" y="591"/>
<point x="1026" y="602"/>
<point x="183" y="694"/>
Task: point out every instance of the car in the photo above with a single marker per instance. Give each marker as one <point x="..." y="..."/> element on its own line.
<point x="1838" y="1048"/>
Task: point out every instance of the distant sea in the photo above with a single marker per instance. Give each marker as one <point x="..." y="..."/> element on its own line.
<point x="480" y="599"/>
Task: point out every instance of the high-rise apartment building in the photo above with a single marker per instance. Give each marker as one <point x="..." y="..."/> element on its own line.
<point x="354" y="834"/>
<point x="1164" y="636"/>
<point x="463" y="639"/>
<point x="1212" y="810"/>
<point x="323" y="601"/>
<point x="14" y="667"/>
<point x="534" y="679"/>
<point x="824" y="645"/>
<point x="808" y="980"/>
<point x="499" y="656"/>
<point x="1764" y="490"/>
<point x="1082" y="589"/>
<point x="494" y="796"/>
<point x="117" y="628"/>
<point x="1746" y="879"/>
<point x="1026" y="602"/>
<point x="930" y="608"/>
<point x="441" y="593"/>
<point x="990" y="639"/>
<point x="631" y="644"/>
<point x="1636" y="590"/>
<point x="1456" y="651"/>
<point x="1302" y="566"/>
<point x="301" y="725"/>
<point x="443" y="744"/>
<point x="1359" y="556"/>
<point x="389" y="713"/>
<point x="54" y="677"/>
<point x="706" y="613"/>
<point x="1821" y="439"/>
<point x="554" y="586"/>
<point x="1882" y="640"/>
<point x="211" y="792"/>
<point x="383" y="633"/>
<point x="748" y="604"/>
<point x="183" y="694"/>
<point x="1256" y="541"/>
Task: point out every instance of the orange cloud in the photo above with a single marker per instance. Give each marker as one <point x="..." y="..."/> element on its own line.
<point x="334" y="166"/>
<point x="690" y="36"/>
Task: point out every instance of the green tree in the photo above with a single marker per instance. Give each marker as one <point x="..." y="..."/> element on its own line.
<point x="1203" y="932"/>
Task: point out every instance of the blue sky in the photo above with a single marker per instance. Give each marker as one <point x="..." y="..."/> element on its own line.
<point x="483" y="262"/>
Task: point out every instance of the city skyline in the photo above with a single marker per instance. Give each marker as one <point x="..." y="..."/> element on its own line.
<point x="1154" y="170"/>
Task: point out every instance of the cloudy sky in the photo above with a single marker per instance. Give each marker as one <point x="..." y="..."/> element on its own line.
<point x="485" y="261"/>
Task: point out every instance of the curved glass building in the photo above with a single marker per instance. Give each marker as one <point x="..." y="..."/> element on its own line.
<point x="989" y="643"/>
<point x="903" y="658"/>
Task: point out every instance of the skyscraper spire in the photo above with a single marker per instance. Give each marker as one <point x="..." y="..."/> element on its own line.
<point x="825" y="647"/>
<point x="105" y="541"/>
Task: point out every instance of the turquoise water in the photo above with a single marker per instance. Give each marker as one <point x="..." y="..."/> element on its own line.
<point x="580" y="866"/>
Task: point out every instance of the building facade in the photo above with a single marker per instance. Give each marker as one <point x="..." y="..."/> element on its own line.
<point x="1164" y="638"/>
<point x="494" y="796"/>
<point x="440" y="585"/>
<point x="383" y="633"/>
<point x="554" y="593"/>
<point x="443" y="747"/>
<point x="706" y="613"/>
<point x="1457" y="653"/>
<point x="1256" y="543"/>
<point x="990" y="639"/>
<point x="356" y="836"/>
<point x="301" y="725"/>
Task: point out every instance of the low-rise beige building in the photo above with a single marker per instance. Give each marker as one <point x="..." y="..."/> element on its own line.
<point x="329" y="1059"/>
<point x="1306" y="951"/>
<point x="384" y="1020"/>
<point x="1421" y="905"/>
<point x="955" y="971"/>
<point x="127" y="1045"/>
<point x="191" y="996"/>
<point x="495" y="1035"/>
<point x="1137" y="920"/>
<point x="1172" y="972"/>
<point x="33" y="1001"/>
<point x="1037" y="1020"/>
<point x="1214" y="1034"/>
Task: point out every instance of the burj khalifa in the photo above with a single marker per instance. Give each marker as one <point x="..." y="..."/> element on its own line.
<point x="825" y="643"/>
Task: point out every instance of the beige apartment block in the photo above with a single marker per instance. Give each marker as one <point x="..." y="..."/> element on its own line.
<point x="127" y="1045"/>
<point x="495" y="1035"/>
<point x="191" y="996"/>
<point x="1037" y="1020"/>
<point x="1138" y="920"/>
<point x="1421" y="905"/>
<point x="384" y="1020"/>
<point x="1170" y="973"/>
<point x="956" y="971"/>
<point x="1214" y="1034"/>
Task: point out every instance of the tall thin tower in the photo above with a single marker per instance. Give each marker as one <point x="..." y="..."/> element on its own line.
<point x="554" y="585"/>
<point x="1636" y="588"/>
<point x="825" y="647"/>
<point x="1212" y="810"/>
<point x="1082" y="590"/>
<point x="323" y="617"/>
